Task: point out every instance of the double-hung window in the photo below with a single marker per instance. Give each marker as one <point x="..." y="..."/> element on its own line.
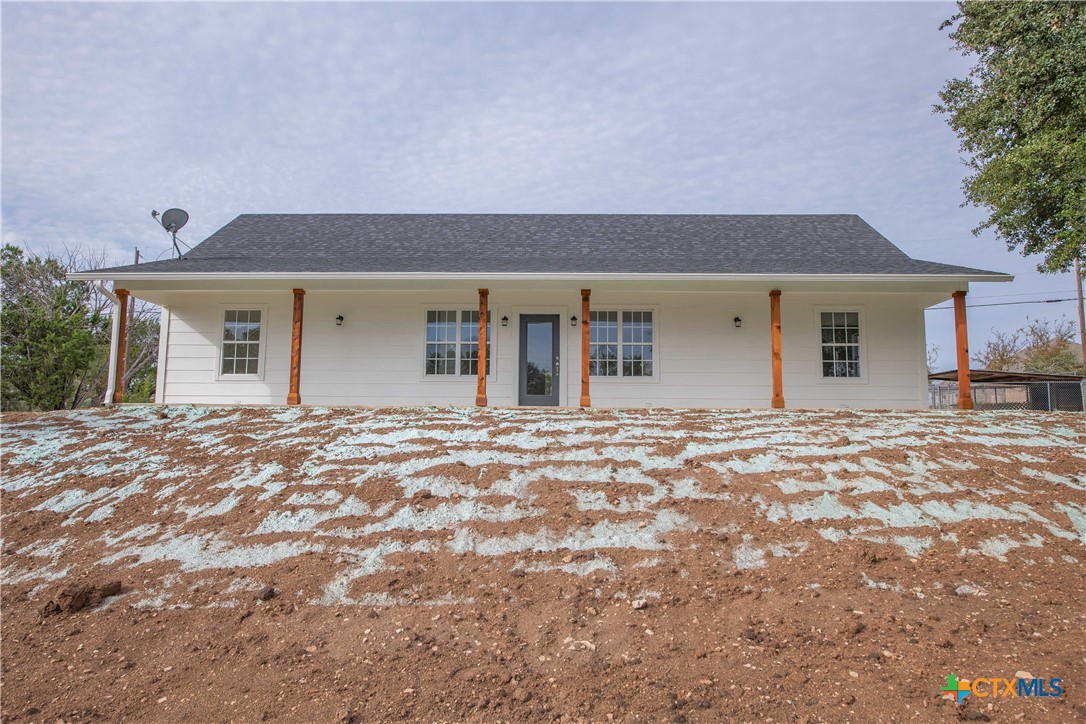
<point x="452" y="342"/>
<point x="621" y="343"/>
<point x="242" y="343"/>
<point x="840" y="344"/>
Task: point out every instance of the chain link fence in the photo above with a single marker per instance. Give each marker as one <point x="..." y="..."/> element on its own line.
<point x="1066" y="396"/>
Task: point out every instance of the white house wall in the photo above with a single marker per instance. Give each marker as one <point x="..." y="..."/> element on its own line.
<point x="702" y="359"/>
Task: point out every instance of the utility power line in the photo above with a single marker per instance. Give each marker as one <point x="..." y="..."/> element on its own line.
<point x="1007" y="304"/>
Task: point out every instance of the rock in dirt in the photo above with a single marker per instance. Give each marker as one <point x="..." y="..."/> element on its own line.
<point x="521" y="695"/>
<point x="110" y="589"/>
<point x="973" y="715"/>
<point x="1023" y="675"/>
<point x="870" y="556"/>
<point x="967" y="589"/>
<point x="639" y="604"/>
<point x="78" y="596"/>
<point x="267" y="593"/>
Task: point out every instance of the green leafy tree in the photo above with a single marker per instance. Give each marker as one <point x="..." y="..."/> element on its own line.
<point x="1021" y="117"/>
<point x="56" y="333"/>
<point x="50" y="336"/>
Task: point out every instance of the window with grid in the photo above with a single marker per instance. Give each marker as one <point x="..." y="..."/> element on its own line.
<point x="625" y="337"/>
<point x="469" y="342"/>
<point x="603" y="344"/>
<point x="452" y="342"/>
<point x="637" y="344"/>
<point x="241" y="342"/>
<point x="840" y="344"/>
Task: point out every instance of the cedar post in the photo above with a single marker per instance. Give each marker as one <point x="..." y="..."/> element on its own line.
<point x="122" y="344"/>
<point x="293" y="395"/>
<point x="775" y="344"/>
<point x="480" y="393"/>
<point x="965" y="395"/>
<point x="586" y="337"/>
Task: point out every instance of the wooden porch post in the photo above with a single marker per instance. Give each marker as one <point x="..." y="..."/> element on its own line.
<point x="775" y="344"/>
<point x="965" y="395"/>
<point x="480" y="393"/>
<point x="586" y="336"/>
<point x="119" y="364"/>
<point x="293" y="395"/>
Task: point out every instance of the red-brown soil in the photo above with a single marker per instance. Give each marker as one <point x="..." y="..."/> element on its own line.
<point x="518" y="565"/>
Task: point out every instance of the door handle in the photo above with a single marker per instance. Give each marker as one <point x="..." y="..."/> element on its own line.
<point x="556" y="364"/>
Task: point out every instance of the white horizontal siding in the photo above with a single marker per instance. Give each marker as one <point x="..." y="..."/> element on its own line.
<point x="702" y="359"/>
<point x="193" y="351"/>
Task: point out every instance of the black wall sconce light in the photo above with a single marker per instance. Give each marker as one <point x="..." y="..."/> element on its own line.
<point x="738" y="322"/>
<point x="505" y="321"/>
<point x="573" y="321"/>
<point x="339" y="321"/>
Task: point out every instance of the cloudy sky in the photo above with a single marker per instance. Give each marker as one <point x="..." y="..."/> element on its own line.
<point x="111" y="110"/>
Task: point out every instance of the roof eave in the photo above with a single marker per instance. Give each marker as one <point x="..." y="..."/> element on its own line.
<point x="408" y="276"/>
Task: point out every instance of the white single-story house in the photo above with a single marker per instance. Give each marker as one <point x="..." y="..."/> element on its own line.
<point x="544" y="309"/>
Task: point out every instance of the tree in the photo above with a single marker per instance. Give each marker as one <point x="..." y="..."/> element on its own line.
<point x="1000" y="351"/>
<point x="1040" y="346"/>
<point x="50" y="335"/>
<point x="932" y="357"/>
<point x="56" y="334"/>
<point x="1050" y="348"/>
<point x="141" y="369"/>
<point x="1021" y="117"/>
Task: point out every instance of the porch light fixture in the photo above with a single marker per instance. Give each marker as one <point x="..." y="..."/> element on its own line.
<point x="738" y="322"/>
<point x="505" y="321"/>
<point x="573" y="321"/>
<point x="339" y="321"/>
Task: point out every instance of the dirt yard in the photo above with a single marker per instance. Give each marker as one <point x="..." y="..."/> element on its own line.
<point x="214" y="564"/>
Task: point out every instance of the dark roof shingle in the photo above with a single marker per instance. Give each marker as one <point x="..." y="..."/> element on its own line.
<point x="482" y="244"/>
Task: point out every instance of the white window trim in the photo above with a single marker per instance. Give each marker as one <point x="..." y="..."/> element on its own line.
<point x="264" y="331"/>
<point x="495" y="322"/>
<point x="620" y="378"/>
<point x="864" y="360"/>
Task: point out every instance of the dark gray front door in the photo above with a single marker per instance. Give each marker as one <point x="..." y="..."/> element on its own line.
<point x="539" y="363"/>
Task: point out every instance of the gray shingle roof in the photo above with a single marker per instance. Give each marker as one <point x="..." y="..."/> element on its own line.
<point x="482" y="244"/>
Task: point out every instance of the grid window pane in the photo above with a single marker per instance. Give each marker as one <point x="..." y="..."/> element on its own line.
<point x="637" y="360"/>
<point x="637" y="337"/>
<point x="603" y="360"/>
<point x="441" y="325"/>
<point x="469" y="342"/>
<point x="440" y="359"/>
<point x="840" y="338"/>
<point x="603" y="328"/>
<point x="241" y="342"/>
<point x="603" y="344"/>
<point x="469" y="326"/>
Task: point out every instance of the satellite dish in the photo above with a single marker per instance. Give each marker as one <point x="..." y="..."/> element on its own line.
<point x="174" y="219"/>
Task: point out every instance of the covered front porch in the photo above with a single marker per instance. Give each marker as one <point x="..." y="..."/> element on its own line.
<point x="534" y="342"/>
